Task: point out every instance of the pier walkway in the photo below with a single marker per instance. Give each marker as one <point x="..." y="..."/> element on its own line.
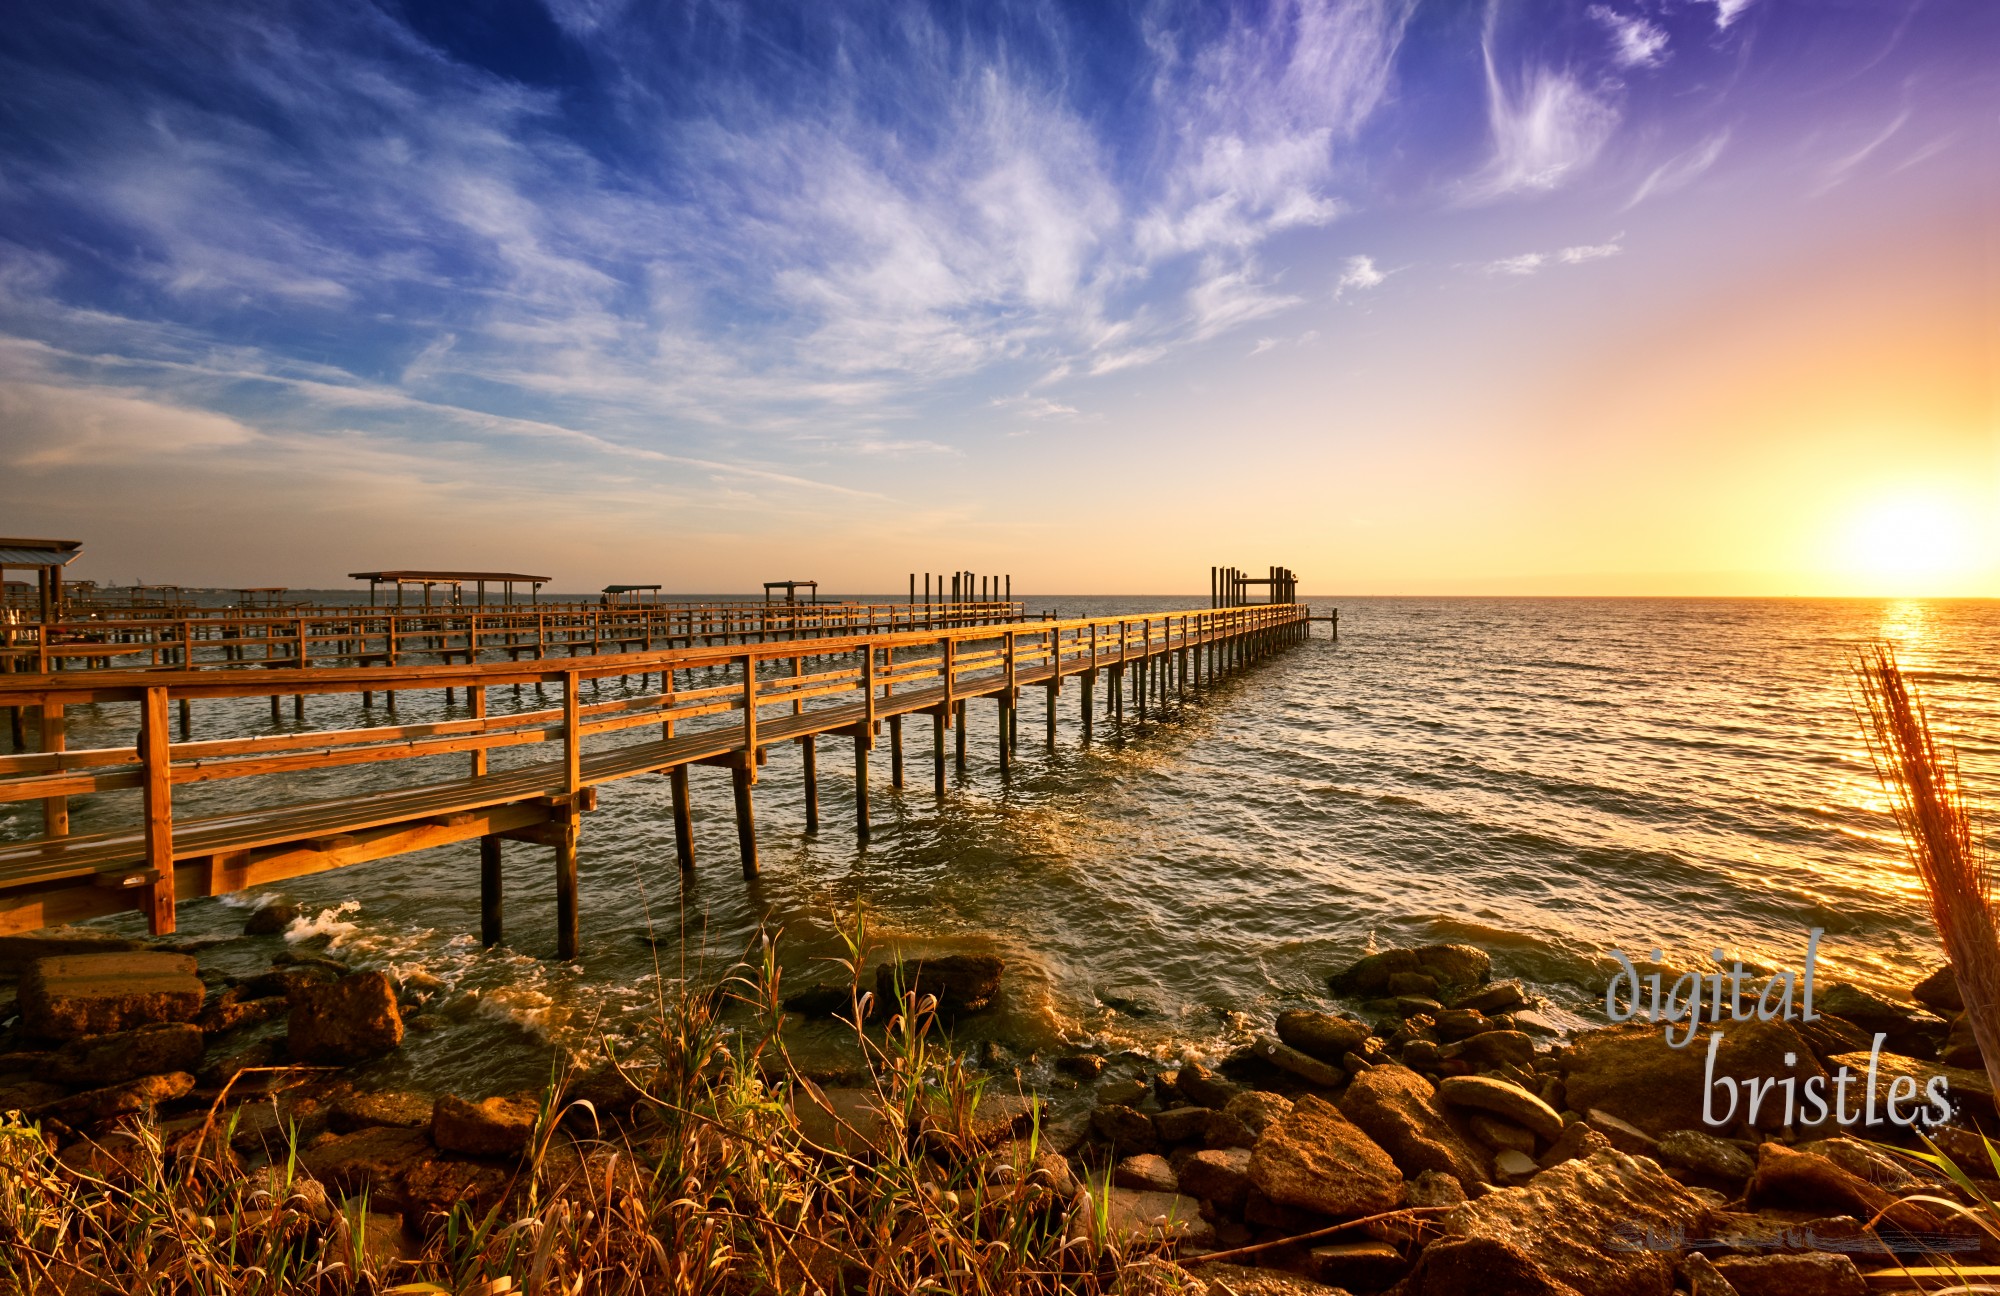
<point x="771" y="693"/>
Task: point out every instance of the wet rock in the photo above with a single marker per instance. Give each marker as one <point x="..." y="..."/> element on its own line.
<point x="1306" y="1067"/>
<point x="377" y="1238"/>
<point x="1227" y="1131"/>
<point x="99" y="1060"/>
<point x="69" y="996"/>
<point x="1530" y="1022"/>
<point x="1490" y="1049"/>
<point x="1126" y="1130"/>
<point x="1461" y="1023"/>
<point x="272" y="1126"/>
<point x="1434" y="1188"/>
<point x="1203" y="1087"/>
<point x="226" y="1067"/>
<point x="1219" y="1175"/>
<point x="821" y="1001"/>
<point x="1122" y="1093"/>
<point x="1457" y="965"/>
<point x="438" y="1186"/>
<point x="1961" y="1046"/>
<point x="1421" y="985"/>
<point x="1577" y="1140"/>
<point x="1581" y="1221"/>
<point x="94" y="1106"/>
<point x="1497" y="997"/>
<point x="233" y="1009"/>
<point x="1257" y="1109"/>
<point x="1939" y="992"/>
<point x="1623" y="1135"/>
<point x="963" y="983"/>
<point x="1827" y="1036"/>
<point x="1420" y="1055"/>
<point x="1514" y="1167"/>
<point x="344" y="1021"/>
<point x="1084" y="1066"/>
<point x="1321" y="1035"/>
<point x="1181" y="1124"/>
<point x="118" y="1158"/>
<point x="1501" y="1135"/>
<point x="1703" y="1278"/>
<point x="1315" y="1158"/>
<point x="374" y="1160"/>
<point x="489" y="1127"/>
<point x="1705" y="1155"/>
<point x="271" y="919"/>
<point x="1397" y="1109"/>
<point x="1504" y="1099"/>
<point x="1809" y="1274"/>
<point x="1630" y="1072"/>
<point x="1911" y="1031"/>
<point x="1147" y="1172"/>
<point x="1138" y="1217"/>
<point x="18" y="951"/>
<point x="848" y="1121"/>
<point x="1863" y="1161"/>
<point x="1480" y="1266"/>
<point x="1789" y="1178"/>
<point x="1244" y="1280"/>
<point x="1362" y="1266"/>
<point x="1970" y="1090"/>
<point x="392" y="1108"/>
<point x="279" y="981"/>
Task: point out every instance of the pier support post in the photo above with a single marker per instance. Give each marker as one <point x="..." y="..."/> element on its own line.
<point x="489" y="890"/>
<point x="567" y="925"/>
<point x="1054" y="686"/>
<point x="937" y="751"/>
<point x="896" y="752"/>
<point x="741" y="774"/>
<point x="811" y="745"/>
<point x="861" y="782"/>
<point x="960" y="739"/>
<point x="1089" y="700"/>
<point x="677" y="778"/>
<point x="1005" y="716"/>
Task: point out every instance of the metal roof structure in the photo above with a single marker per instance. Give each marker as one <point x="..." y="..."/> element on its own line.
<point x="455" y="579"/>
<point x="38" y="553"/>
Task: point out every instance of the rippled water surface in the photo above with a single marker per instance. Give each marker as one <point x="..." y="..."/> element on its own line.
<point x="1549" y="779"/>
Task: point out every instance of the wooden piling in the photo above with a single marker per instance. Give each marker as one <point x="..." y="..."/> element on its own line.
<point x="677" y="779"/>
<point x="937" y="750"/>
<point x="861" y="783"/>
<point x="810" y="744"/>
<point x="489" y="890"/>
<point x="896" y="752"/>
<point x="742" y="774"/>
<point x="55" y="809"/>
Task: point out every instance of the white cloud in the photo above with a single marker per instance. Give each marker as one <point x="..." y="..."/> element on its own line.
<point x="1726" y="11"/>
<point x="1635" y="41"/>
<point x="1680" y="169"/>
<point x="1525" y="264"/>
<point x="1836" y="172"/>
<point x="1358" y="275"/>
<point x="1589" y="252"/>
<point x="1545" y="128"/>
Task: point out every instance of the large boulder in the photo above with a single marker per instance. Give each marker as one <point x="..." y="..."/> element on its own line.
<point x="94" y="1106"/>
<point x="1602" y="1224"/>
<point x="1219" y="1175"/>
<point x="1460" y="966"/>
<point x="963" y="983"/>
<point x="344" y="1021"/>
<point x="1303" y="1065"/>
<point x="1805" y="1180"/>
<point x="1813" y="1273"/>
<point x="1132" y="1218"/>
<point x="1939" y="992"/>
<point x="361" y="1109"/>
<point x="1316" y="1159"/>
<point x="1396" y="1108"/>
<point x="1321" y="1035"/>
<point x="1505" y="1099"/>
<point x="1911" y="1031"/>
<point x="1970" y="1091"/>
<point x="489" y="1127"/>
<point x="99" y="1060"/>
<point x="376" y="1160"/>
<point x="69" y="996"/>
<point x="1630" y="1072"/>
<point x="1479" y="1266"/>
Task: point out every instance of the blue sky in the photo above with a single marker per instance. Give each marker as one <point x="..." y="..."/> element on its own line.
<point x="701" y="292"/>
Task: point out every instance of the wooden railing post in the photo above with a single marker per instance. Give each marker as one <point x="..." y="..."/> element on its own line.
<point x="750" y="714"/>
<point x="55" y="809"/>
<point x="156" y="774"/>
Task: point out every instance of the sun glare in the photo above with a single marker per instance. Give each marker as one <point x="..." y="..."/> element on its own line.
<point x="1911" y="544"/>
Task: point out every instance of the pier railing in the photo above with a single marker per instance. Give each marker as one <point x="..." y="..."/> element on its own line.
<point x="362" y="635"/>
<point x="725" y="704"/>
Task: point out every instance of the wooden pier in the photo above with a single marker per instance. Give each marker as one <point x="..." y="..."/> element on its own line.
<point x="715" y="703"/>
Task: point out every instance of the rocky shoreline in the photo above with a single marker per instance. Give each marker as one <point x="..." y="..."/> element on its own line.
<point x="1487" y="1153"/>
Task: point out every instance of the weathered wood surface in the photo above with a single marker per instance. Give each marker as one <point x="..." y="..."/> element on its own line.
<point x="768" y="697"/>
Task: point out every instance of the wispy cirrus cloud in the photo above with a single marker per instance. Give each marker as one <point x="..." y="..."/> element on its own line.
<point x="1680" y="170"/>
<point x="1636" y="41"/>
<point x="1546" y="125"/>
<point x="1359" y="274"/>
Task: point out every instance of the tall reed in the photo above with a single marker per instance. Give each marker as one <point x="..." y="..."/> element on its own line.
<point x="1921" y="777"/>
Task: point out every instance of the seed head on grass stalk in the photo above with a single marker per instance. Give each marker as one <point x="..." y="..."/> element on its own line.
<point x="1921" y="777"/>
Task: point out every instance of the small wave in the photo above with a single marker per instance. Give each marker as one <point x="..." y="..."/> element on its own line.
<point x="330" y="923"/>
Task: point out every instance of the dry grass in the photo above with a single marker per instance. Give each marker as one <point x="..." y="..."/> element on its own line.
<point x="708" y="1185"/>
<point x="1921" y="777"/>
